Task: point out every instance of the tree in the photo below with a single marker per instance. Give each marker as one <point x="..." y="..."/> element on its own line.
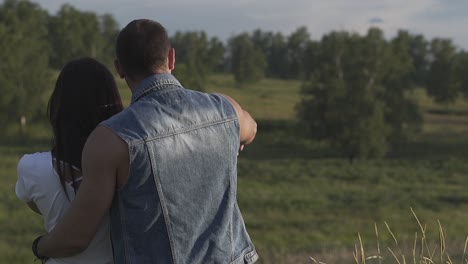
<point x="215" y="56"/>
<point x="274" y="48"/>
<point x="74" y="34"/>
<point x="192" y="58"/>
<point x="356" y="98"/>
<point x="296" y="47"/>
<point x="277" y="58"/>
<point x="109" y="29"/>
<point x="24" y="75"/>
<point x="442" y="82"/>
<point x="247" y="60"/>
<point x="311" y="56"/>
<point x="339" y="104"/>
<point x="462" y="72"/>
<point x="196" y="57"/>
<point x="402" y="70"/>
<point x="419" y="52"/>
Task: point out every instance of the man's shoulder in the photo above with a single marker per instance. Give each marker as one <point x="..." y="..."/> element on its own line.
<point x="104" y="135"/>
<point x="103" y="142"/>
<point x="225" y="103"/>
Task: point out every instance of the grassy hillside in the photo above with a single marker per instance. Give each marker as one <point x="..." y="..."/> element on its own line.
<point x="298" y="198"/>
<point x="269" y="99"/>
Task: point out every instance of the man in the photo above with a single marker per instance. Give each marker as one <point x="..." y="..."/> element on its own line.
<point x="165" y="166"/>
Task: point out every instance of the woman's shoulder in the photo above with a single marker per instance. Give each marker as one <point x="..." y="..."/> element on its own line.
<point x="34" y="162"/>
<point x="34" y="159"/>
<point x="30" y="168"/>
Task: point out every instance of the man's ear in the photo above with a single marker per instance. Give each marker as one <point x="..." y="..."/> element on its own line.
<point x="171" y="59"/>
<point x="118" y="68"/>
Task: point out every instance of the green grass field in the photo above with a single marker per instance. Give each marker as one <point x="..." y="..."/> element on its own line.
<point x="298" y="198"/>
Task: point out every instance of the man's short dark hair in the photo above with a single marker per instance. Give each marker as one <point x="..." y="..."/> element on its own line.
<point x="142" y="48"/>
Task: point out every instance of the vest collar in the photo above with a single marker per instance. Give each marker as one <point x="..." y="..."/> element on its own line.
<point x="154" y="82"/>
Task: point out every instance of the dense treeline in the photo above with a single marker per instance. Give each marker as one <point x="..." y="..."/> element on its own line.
<point x="34" y="44"/>
<point x="355" y="92"/>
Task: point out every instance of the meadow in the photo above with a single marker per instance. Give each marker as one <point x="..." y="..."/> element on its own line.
<point x="298" y="197"/>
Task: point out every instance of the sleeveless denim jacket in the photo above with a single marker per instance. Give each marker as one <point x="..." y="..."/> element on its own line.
<point x="179" y="204"/>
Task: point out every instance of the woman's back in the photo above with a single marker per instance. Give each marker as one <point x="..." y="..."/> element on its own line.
<point x="85" y="94"/>
<point x="39" y="183"/>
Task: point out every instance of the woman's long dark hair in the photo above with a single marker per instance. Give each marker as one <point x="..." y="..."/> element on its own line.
<point x="85" y="94"/>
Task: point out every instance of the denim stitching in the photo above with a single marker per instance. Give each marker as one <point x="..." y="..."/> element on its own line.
<point x="252" y="256"/>
<point x="124" y="230"/>
<point x="249" y="254"/>
<point x="182" y="131"/>
<point x="154" y="85"/>
<point x="163" y="204"/>
<point x="160" y="89"/>
<point x="121" y="211"/>
<point x="231" y="181"/>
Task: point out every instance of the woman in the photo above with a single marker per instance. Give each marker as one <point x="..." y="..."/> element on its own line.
<point x="85" y="94"/>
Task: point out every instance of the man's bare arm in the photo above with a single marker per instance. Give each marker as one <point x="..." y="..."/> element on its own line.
<point x="248" y="126"/>
<point x="102" y="154"/>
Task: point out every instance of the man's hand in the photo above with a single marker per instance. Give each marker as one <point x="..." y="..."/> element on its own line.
<point x="248" y="126"/>
<point x="102" y="159"/>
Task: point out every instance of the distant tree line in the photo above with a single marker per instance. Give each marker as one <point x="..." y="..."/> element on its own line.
<point x="355" y="87"/>
<point x="34" y="43"/>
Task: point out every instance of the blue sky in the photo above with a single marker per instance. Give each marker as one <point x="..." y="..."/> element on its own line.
<point x="223" y="18"/>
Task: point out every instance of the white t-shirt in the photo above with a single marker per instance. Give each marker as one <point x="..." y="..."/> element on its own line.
<point x="38" y="182"/>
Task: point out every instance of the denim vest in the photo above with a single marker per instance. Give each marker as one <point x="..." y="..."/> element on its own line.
<point x="179" y="203"/>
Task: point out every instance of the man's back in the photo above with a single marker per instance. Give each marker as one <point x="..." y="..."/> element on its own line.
<point x="172" y="158"/>
<point x="179" y="201"/>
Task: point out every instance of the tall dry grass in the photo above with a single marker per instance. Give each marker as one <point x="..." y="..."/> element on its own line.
<point x="423" y="250"/>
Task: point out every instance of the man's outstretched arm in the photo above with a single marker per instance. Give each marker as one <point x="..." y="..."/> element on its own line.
<point x="248" y="126"/>
<point x="102" y="154"/>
